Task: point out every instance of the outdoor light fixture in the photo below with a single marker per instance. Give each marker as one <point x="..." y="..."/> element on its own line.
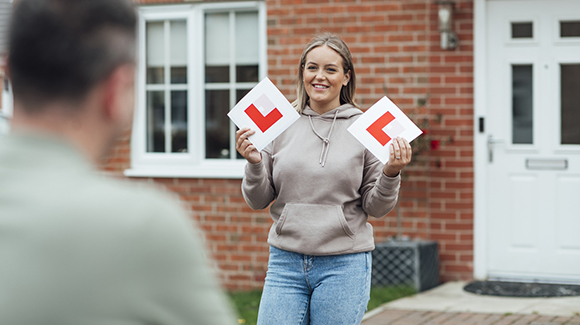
<point x="449" y="39"/>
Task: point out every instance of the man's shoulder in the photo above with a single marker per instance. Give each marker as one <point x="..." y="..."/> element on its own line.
<point x="132" y="196"/>
<point x="107" y="203"/>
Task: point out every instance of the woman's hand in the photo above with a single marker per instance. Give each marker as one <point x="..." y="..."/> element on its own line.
<point x="245" y="147"/>
<point x="399" y="157"/>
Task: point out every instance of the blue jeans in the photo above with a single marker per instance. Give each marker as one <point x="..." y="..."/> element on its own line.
<point x="315" y="290"/>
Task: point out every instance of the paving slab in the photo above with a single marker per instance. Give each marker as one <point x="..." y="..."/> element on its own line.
<point x="411" y="317"/>
<point x="451" y="297"/>
<point x="450" y="304"/>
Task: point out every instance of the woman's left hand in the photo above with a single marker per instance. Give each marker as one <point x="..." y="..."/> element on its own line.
<point x="399" y="157"/>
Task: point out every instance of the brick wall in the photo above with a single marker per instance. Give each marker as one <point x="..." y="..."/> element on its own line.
<point x="395" y="46"/>
<point x="451" y="170"/>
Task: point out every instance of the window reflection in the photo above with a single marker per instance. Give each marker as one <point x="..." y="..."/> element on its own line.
<point x="523" y="30"/>
<point x="217" y="124"/>
<point x="522" y="104"/>
<point x="570" y="29"/>
<point x="155" y="121"/>
<point x="570" y="98"/>
<point x="179" y="121"/>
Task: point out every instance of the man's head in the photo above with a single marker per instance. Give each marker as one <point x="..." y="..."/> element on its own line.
<point x="59" y="50"/>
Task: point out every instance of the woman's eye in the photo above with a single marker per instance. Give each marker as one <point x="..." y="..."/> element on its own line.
<point x="311" y="68"/>
<point x="331" y="70"/>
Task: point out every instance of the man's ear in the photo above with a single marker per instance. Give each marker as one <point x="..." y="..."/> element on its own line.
<point x="119" y="94"/>
<point x="7" y="68"/>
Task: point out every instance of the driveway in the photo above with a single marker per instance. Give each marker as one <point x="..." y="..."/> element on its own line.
<point x="450" y="304"/>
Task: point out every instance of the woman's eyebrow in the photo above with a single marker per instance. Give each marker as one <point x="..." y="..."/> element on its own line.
<point x="326" y="65"/>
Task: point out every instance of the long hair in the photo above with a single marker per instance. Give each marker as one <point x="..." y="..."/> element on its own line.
<point x="334" y="42"/>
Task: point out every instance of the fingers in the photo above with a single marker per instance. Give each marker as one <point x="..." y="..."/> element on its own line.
<point x="244" y="146"/>
<point x="242" y="138"/>
<point x="400" y="155"/>
<point x="406" y="150"/>
<point x="396" y="148"/>
<point x="401" y="150"/>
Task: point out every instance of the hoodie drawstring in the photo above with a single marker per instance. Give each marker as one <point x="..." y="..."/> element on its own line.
<point x="325" y="141"/>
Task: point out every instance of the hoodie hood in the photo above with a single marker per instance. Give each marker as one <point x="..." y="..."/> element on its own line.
<point x="342" y="112"/>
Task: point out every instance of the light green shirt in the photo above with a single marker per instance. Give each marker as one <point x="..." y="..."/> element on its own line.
<point x="77" y="247"/>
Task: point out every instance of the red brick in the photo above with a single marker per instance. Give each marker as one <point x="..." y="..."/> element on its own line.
<point x="400" y="38"/>
<point x="387" y="7"/>
<point x="459" y="247"/>
<point x="459" y="268"/>
<point x="359" y="8"/>
<point x="386" y="28"/>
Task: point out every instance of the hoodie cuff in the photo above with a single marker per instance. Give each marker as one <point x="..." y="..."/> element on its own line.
<point x="387" y="184"/>
<point x="255" y="171"/>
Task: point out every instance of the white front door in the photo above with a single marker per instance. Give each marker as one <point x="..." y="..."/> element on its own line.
<point x="533" y="129"/>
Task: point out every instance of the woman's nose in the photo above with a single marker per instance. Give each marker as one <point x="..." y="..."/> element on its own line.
<point x="319" y="74"/>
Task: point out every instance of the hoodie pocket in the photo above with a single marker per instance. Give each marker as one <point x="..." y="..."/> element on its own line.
<point x="314" y="229"/>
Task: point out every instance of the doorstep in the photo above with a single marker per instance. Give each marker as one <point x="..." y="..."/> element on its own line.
<point x="450" y="297"/>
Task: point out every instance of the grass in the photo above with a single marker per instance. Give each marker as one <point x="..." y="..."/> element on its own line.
<point x="382" y="295"/>
<point x="247" y="302"/>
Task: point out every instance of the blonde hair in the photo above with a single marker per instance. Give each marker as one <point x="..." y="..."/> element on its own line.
<point x="334" y="42"/>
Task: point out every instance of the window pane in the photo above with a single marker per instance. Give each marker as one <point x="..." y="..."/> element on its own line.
<point x="247" y="73"/>
<point x="217" y="124"/>
<point x="570" y="92"/>
<point x="240" y="93"/>
<point x="155" y="75"/>
<point x="179" y="121"/>
<point x="155" y="121"/>
<point x="570" y="29"/>
<point x="178" y="75"/>
<point x="522" y="104"/>
<point x="178" y="43"/>
<point x="217" y="39"/>
<point x="247" y="40"/>
<point x="217" y="47"/>
<point x="178" y="52"/>
<point x="247" y="46"/>
<point x="155" y="52"/>
<point x="217" y="74"/>
<point x="522" y="30"/>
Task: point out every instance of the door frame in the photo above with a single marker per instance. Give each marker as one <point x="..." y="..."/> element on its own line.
<point x="480" y="165"/>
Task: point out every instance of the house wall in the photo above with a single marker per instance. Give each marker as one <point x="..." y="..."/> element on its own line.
<point x="395" y="46"/>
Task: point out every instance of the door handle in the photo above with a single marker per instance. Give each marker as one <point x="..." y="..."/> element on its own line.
<point x="490" y="142"/>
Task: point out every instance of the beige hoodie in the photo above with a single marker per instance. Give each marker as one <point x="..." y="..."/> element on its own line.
<point x="324" y="183"/>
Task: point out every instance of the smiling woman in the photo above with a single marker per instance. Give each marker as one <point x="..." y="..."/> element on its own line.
<point x="319" y="269"/>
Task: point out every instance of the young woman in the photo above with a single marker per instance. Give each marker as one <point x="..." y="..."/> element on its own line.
<point x="324" y="184"/>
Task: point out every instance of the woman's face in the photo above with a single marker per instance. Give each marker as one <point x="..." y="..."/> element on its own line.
<point x="324" y="77"/>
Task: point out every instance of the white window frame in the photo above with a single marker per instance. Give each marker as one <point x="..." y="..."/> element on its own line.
<point x="192" y="164"/>
<point x="7" y="105"/>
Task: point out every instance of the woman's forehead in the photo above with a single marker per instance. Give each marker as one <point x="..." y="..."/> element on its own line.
<point x="323" y="55"/>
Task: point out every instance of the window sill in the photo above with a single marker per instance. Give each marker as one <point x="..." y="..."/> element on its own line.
<point x="209" y="169"/>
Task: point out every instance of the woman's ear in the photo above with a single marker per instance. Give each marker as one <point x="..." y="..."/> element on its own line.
<point x="346" y="78"/>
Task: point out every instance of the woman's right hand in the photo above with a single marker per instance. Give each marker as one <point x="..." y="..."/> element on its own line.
<point x="245" y="147"/>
